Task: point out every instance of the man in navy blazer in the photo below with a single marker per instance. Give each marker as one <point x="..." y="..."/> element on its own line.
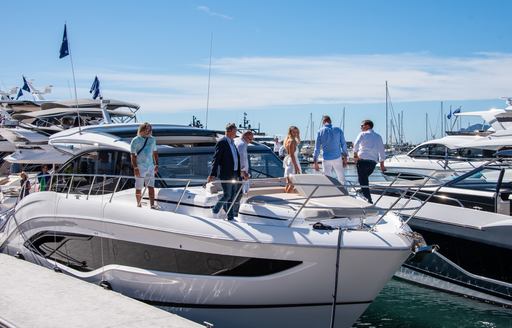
<point x="226" y="166"/>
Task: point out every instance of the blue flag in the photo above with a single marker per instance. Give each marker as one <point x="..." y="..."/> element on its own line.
<point x="25" y="85"/>
<point x="449" y="116"/>
<point x="64" y="47"/>
<point x="95" y="88"/>
<point x="20" y="93"/>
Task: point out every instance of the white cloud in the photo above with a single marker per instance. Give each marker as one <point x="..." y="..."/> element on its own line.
<point x="213" y="13"/>
<point x="259" y="82"/>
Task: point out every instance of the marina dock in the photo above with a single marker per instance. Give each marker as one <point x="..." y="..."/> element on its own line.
<point x="33" y="296"/>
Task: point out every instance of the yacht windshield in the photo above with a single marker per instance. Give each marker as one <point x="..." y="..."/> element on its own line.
<point x="187" y="163"/>
<point x="485" y="179"/>
<point x="196" y="164"/>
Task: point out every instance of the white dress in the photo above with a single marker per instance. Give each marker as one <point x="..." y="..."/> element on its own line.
<point x="288" y="164"/>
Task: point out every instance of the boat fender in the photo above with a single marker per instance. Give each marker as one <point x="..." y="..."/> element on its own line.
<point x="321" y="226"/>
<point x="106" y="285"/>
<point x="19" y="256"/>
<point x="426" y="249"/>
<point x="421" y="251"/>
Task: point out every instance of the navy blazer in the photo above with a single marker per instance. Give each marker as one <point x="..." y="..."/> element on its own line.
<point x="223" y="165"/>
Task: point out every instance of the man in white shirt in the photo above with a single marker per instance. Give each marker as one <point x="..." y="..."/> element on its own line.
<point x="368" y="150"/>
<point x="241" y="144"/>
<point x="277" y="145"/>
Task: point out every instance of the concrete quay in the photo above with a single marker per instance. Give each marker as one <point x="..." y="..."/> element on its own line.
<point x="33" y="296"/>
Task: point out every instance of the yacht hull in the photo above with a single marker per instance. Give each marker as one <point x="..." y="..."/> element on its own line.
<point x="149" y="255"/>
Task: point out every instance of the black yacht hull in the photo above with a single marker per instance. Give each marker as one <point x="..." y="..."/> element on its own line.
<point x="462" y="266"/>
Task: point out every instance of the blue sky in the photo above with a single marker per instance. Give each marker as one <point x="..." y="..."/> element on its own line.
<point x="276" y="60"/>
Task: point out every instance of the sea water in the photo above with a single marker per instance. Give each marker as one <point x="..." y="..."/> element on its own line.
<point x="402" y="304"/>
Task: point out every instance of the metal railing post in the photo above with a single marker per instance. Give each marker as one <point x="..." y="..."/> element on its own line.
<point x="90" y="189"/>
<point x="421" y="206"/>
<point x="51" y="181"/>
<point x="234" y="199"/>
<point x="115" y="189"/>
<point x="70" y="184"/>
<point x="303" y="205"/>
<point x="395" y="202"/>
<point x="142" y="195"/>
<point x="181" y="197"/>
<point x="385" y="190"/>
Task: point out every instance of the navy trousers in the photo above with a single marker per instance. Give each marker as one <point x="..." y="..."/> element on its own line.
<point x="229" y="191"/>
<point x="365" y="168"/>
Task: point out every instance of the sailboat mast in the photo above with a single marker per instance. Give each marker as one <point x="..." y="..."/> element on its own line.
<point x="387" y="113"/>
<point x="343" y="118"/>
<point x="426" y="126"/>
<point x="312" y="126"/>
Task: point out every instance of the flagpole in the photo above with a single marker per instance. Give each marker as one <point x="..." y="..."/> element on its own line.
<point x="74" y="86"/>
<point x="65" y="50"/>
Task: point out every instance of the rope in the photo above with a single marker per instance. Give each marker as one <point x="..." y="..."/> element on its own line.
<point x="335" y="295"/>
<point x="103" y="225"/>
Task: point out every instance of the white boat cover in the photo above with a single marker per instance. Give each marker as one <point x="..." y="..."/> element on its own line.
<point x="17" y="135"/>
<point x="45" y="155"/>
<point x="88" y="103"/>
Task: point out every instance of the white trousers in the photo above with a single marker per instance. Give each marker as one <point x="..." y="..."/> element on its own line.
<point x="334" y="166"/>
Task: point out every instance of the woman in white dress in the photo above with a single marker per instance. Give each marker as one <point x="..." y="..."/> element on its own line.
<point x="291" y="161"/>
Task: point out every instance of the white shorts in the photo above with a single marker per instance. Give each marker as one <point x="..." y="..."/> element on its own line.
<point x="147" y="177"/>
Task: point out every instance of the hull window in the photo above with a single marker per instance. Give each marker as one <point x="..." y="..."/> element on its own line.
<point x="84" y="253"/>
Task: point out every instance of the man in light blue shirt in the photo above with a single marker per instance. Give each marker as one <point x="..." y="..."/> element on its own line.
<point x="334" y="149"/>
<point x="368" y="150"/>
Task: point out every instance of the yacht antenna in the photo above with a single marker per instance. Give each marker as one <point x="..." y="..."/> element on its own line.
<point x="209" y="78"/>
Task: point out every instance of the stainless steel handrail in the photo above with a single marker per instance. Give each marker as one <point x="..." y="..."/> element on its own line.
<point x="415" y="188"/>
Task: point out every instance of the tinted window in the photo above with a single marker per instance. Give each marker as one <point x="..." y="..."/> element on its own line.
<point x="265" y="165"/>
<point x="193" y="163"/>
<point x="419" y="152"/>
<point x="436" y="151"/>
<point x="99" y="163"/>
<point x="195" y="166"/>
<point x="84" y="253"/>
<point x="485" y="179"/>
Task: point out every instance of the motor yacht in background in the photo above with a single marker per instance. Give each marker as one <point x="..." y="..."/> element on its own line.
<point x="469" y="219"/>
<point x="455" y="153"/>
<point x="28" y="125"/>
<point x="53" y="116"/>
<point x="275" y="265"/>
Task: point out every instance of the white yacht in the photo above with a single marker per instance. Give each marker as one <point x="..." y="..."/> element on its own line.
<point x="53" y="116"/>
<point x="25" y="132"/>
<point x="284" y="261"/>
<point x="442" y="158"/>
<point x="456" y="153"/>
